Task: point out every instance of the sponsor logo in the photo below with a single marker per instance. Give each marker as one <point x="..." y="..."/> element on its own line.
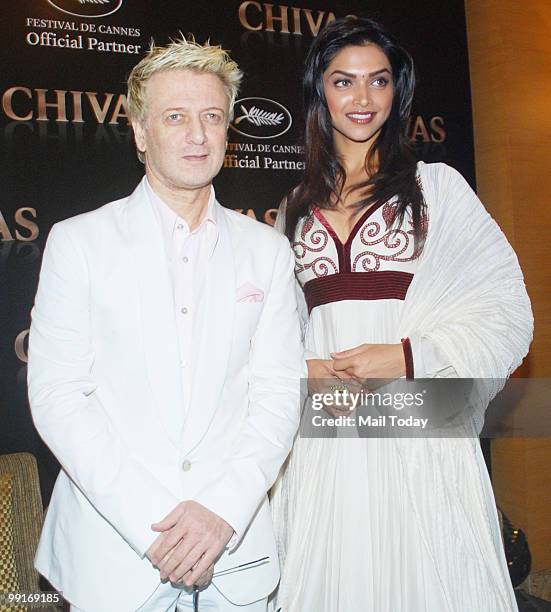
<point x="87" y="8"/>
<point x="20" y="103"/>
<point x="265" y="17"/>
<point x="261" y="118"/>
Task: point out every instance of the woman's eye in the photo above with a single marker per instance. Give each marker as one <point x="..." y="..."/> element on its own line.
<point x="174" y="116"/>
<point x="342" y="83"/>
<point x="380" y="82"/>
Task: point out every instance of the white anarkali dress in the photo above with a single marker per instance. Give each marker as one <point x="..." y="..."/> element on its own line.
<point x="386" y="525"/>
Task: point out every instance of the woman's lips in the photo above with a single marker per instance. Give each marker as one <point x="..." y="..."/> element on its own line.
<point x="361" y="118"/>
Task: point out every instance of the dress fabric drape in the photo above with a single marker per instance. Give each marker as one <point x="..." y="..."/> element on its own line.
<point x="397" y="524"/>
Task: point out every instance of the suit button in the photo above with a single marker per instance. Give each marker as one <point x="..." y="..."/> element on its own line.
<point x="186" y="465"/>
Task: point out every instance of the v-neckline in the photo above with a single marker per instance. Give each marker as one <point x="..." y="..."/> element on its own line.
<point x="324" y="221"/>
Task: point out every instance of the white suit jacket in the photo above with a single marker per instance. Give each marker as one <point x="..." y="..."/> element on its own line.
<point x="106" y="396"/>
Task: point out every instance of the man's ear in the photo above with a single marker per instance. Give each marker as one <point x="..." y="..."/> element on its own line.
<point x="139" y="135"/>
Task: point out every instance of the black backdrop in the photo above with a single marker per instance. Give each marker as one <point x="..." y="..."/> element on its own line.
<point x="67" y="146"/>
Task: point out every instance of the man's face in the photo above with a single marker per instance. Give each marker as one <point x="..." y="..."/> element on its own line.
<point x="184" y="131"/>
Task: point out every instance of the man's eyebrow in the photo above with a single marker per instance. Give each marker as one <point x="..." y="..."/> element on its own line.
<point x="171" y="109"/>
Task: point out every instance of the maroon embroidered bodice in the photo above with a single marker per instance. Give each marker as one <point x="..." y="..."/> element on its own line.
<point x="375" y="263"/>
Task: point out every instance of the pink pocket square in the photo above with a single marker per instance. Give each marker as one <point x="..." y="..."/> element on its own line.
<point x="249" y="293"/>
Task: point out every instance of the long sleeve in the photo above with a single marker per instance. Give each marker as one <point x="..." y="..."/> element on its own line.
<point x="66" y="402"/>
<point x="428" y="359"/>
<point x="275" y="366"/>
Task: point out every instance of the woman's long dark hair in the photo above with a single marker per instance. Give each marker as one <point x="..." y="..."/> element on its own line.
<point x="390" y="164"/>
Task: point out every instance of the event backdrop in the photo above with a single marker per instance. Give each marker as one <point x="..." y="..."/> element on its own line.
<point x="67" y="146"/>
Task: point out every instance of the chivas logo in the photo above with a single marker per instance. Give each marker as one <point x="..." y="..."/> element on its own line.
<point x="261" y="118"/>
<point x="87" y="8"/>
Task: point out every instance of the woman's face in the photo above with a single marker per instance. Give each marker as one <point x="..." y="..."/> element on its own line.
<point x="358" y="88"/>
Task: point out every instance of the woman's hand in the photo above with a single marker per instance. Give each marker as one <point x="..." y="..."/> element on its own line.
<point x="319" y="369"/>
<point x="321" y="376"/>
<point x="369" y="361"/>
<point x="323" y="379"/>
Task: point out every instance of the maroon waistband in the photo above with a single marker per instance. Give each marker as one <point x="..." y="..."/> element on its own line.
<point x="384" y="285"/>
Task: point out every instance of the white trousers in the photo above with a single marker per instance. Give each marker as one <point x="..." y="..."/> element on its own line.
<point x="168" y="599"/>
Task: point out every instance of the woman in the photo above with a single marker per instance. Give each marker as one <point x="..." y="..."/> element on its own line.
<point x="401" y="272"/>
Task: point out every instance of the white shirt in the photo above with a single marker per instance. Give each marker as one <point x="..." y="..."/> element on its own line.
<point x="188" y="254"/>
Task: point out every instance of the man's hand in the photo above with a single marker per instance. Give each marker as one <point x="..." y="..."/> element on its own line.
<point x="203" y="581"/>
<point x="191" y="541"/>
<point x="370" y="361"/>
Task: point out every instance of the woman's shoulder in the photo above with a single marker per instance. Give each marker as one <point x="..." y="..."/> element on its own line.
<point x="441" y="183"/>
<point x="438" y="172"/>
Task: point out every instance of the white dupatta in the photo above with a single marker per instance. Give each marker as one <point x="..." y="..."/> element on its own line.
<point x="468" y="295"/>
<point x="468" y="298"/>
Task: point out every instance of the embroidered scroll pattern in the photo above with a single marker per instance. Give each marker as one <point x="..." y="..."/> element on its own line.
<point x="398" y="243"/>
<point x="313" y="242"/>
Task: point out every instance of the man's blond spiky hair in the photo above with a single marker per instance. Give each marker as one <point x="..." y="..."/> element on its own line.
<point x="181" y="54"/>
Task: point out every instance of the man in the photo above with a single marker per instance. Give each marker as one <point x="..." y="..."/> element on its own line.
<point x="164" y="361"/>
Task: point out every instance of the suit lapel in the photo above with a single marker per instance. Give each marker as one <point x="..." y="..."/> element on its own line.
<point x="214" y="350"/>
<point x="157" y="313"/>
